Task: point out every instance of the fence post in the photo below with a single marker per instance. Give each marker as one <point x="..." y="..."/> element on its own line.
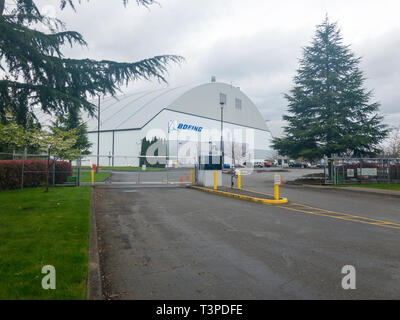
<point x="54" y="172"/>
<point x="166" y="170"/>
<point x="92" y="174"/>
<point x="22" y="167"/>
<point x="78" y="171"/>
<point x="333" y="169"/>
<point x="47" y="170"/>
<point x="139" y="168"/>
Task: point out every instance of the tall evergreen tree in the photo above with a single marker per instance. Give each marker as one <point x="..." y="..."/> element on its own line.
<point x="73" y="121"/>
<point x="35" y="71"/>
<point x="329" y="109"/>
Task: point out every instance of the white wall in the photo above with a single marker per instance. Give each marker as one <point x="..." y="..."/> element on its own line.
<point x="127" y="148"/>
<point x="159" y="127"/>
<point x="105" y="149"/>
<point x="127" y="144"/>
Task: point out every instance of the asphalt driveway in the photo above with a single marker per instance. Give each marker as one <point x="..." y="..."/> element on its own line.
<point x="176" y="243"/>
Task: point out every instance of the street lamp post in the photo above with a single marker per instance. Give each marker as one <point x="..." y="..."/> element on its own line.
<point x="98" y="136"/>
<point x="222" y="102"/>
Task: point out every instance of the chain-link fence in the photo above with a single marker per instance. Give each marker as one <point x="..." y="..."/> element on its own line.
<point x="25" y="170"/>
<point x="125" y="169"/>
<point x="361" y="170"/>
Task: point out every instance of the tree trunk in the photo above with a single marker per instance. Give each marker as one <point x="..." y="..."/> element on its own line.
<point x="2" y="3"/>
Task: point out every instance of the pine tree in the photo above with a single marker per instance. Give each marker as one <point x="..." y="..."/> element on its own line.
<point x="160" y="148"/>
<point x="329" y="109"/>
<point x="73" y="121"/>
<point x="36" y="73"/>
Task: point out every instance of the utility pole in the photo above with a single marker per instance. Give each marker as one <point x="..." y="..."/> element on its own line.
<point x="222" y="138"/>
<point x="98" y="136"/>
<point x="222" y="102"/>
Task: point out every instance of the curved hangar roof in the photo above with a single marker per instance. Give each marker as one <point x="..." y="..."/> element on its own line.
<point x="133" y="111"/>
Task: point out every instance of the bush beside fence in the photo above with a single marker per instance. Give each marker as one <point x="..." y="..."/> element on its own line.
<point x="359" y="171"/>
<point x="35" y="172"/>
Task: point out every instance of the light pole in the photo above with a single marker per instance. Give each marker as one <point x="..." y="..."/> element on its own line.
<point x="222" y="102"/>
<point x="98" y="136"/>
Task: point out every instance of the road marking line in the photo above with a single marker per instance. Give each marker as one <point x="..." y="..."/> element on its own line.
<point x="303" y="208"/>
<point x="341" y="216"/>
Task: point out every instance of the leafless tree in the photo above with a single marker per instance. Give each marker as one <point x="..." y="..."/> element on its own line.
<point x="392" y="146"/>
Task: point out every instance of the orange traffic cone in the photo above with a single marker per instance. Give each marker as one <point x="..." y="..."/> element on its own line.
<point x="281" y="182"/>
<point x="187" y="177"/>
<point x="181" y="178"/>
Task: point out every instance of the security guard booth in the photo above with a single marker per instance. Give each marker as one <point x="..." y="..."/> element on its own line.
<point x="205" y="171"/>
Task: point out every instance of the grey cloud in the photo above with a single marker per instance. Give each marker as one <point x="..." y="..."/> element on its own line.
<point x="262" y="62"/>
<point x="382" y="69"/>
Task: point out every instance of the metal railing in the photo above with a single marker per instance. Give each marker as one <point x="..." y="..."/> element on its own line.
<point x="129" y="169"/>
<point x="361" y="170"/>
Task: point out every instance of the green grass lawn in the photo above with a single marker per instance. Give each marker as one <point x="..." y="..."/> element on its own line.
<point x="38" y="229"/>
<point x="86" y="176"/>
<point x="386" y="186"/>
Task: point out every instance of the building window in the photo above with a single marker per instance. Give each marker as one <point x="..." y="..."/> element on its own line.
<point x="238" y="104"/>
<point x="222" y="98"/>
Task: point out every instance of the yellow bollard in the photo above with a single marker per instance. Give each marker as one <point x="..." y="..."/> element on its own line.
<point x="191" y="176"/>
<point x="276" y="191"/>
<point x="92" y="176"/>
<point x="215" y="180"/>
<point x="239" y="180"/>
<point x="277" y="182"/>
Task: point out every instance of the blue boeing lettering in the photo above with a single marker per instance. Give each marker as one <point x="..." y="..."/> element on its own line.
<point x="189" y="127"/>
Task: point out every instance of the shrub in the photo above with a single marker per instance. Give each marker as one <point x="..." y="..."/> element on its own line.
<point x="34" y="173"/>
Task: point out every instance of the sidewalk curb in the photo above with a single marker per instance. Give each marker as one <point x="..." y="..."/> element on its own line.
<point x="379" y="192"/>
<point x="239" y="196"/>
<point x="94" y="289"/>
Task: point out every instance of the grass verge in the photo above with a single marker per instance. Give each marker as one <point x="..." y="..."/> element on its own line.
<point x="86" y="176"/>
<point x="385" y="186"/>
<point x="38" y="229"/>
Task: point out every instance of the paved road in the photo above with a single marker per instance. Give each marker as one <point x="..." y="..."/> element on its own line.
<point x="368" y="205"/>
<point x="177" y="243"/>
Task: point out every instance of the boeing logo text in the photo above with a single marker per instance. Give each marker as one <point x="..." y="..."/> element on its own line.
<point x="189" y="127"/>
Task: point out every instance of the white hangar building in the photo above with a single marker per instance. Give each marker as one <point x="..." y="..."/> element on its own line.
<point x="179" y="116"/>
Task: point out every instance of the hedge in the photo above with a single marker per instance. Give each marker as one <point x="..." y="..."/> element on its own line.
<point x="34" y="173"/>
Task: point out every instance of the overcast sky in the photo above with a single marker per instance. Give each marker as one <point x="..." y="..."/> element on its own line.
<point x="253" y="44"/>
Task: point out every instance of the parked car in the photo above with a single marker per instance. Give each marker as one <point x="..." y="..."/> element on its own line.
<point x="267" y="164"/>
<point x="306" y="165"/>
<point x="295" y="164"/>
<point x="258" y="165"/>
<point x="300" y="165"/>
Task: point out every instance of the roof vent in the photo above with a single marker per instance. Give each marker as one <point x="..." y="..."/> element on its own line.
<point x="213" y="79"/>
